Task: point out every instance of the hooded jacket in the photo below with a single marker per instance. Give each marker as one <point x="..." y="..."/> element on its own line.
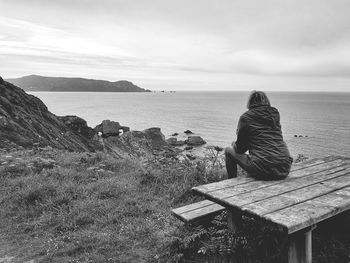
<point x="259" y="131"/>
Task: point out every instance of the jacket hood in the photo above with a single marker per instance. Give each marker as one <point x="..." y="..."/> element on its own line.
<point x="265" y="115"/>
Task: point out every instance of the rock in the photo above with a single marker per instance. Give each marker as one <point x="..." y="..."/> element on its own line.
<point x="143" y="145"/>
<point x="195" y="141"/>
<point x="125" y="128"/>
<point x="295" y="135"/>
<point x="175" y="142"/>
<point x="175" y="134"/>
<point x="300" y="135"/>
<point x="1" y="80"/>
<point x="218" y="148"/>
<point x="77" y="125"/>
<point x="187" y="148"/>
<point x="171" y="141"/>
<point x="180" y="143"/>
<point x="110" y="128"/>
<point x="155" y="136"/>
<point x="25" y="120"/>
<point x="188" y="132"/>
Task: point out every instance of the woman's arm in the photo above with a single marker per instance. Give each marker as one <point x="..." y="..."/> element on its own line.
<point x="242" y="142"/>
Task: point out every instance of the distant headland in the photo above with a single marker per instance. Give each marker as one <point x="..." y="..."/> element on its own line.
<point x="41" y="83"/>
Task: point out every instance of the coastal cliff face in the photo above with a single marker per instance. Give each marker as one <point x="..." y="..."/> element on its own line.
<point x="25" y="121"/>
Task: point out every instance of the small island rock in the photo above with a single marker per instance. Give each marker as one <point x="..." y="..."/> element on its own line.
<point x="188" y="132"/>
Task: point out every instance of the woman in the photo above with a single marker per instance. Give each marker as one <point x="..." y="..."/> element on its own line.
<point x="259" y="132"/>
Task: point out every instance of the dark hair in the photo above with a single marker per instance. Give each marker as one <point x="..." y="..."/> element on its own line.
<point x="257" y="98"/>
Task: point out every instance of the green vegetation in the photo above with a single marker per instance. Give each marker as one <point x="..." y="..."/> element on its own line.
<point x="59" y="206"/>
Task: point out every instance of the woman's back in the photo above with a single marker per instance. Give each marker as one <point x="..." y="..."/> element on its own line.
<point x="268" y="151"/>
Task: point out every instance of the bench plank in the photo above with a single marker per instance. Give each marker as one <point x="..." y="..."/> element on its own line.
<point x="197" y="211"/>
<point x="308" y="213"/>
<point x="193" y="206"/>
<point x="288" y="199"/>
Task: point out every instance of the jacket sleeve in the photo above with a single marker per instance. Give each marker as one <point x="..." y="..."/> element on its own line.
<point x="242" y="142"/>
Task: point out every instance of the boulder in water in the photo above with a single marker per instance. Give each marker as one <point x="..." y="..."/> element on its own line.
<point x="188" y="132"/>
<point x="195" y="141"/>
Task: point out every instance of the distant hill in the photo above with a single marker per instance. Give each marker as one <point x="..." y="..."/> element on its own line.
<point x="40" y="83"/>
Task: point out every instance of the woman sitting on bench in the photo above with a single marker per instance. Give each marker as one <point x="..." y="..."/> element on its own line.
<point x="259" y="132"/>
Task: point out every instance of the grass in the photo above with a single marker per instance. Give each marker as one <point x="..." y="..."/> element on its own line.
<point x="59" y="206"/>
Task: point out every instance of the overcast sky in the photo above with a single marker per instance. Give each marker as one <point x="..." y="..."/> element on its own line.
<point x="181" y="44"/>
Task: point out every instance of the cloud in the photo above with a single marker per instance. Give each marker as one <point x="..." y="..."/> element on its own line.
<point x="201" y="41"/>
<point x="333" y="61"/>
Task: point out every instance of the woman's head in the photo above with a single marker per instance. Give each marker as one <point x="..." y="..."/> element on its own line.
<point x="257" y="98"/>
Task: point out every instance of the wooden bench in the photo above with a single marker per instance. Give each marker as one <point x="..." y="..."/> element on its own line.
<point x="197" y="212"/>
<point x="314" y="191"/>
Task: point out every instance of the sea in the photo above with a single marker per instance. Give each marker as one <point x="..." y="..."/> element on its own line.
<point x="313" y="124"/>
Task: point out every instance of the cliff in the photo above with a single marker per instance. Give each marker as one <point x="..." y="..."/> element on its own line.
<point x="40" y="83"/>
<point x="25" y="121"/>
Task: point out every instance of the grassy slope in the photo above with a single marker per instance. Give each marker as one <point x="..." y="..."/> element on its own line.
<point x="58" y="206"/>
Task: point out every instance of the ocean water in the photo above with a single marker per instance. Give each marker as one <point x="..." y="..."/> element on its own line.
<point x="322" y="119"/>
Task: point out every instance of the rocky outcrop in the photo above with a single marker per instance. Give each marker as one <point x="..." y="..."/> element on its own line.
<point x="141" y="144"/>
<point x="174" y="142"/>
<point x="77" y="125"/>
<point x="155" y="136"/>
<point x="195" y="141"/>
<point x="110" y="128"/>
<point x="25" y="121"/>
<point x="188" y="132"/>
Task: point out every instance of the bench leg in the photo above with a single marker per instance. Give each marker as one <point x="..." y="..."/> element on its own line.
<point x="300" y="247"/>
<point x="234" y="219"/>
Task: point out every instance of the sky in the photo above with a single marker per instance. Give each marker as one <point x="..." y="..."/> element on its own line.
<point x="272" y="45"/>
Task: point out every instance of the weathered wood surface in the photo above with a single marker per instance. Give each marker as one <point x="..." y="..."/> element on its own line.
<point x="289" y="186"/>
<point x="272" y="204"/>
<point x="308" y="213"/>
<point x="314" y="191"/>
<point x="242" y="180"/>
<point x="222" y="193"/>
<point x="197" y="211"/>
